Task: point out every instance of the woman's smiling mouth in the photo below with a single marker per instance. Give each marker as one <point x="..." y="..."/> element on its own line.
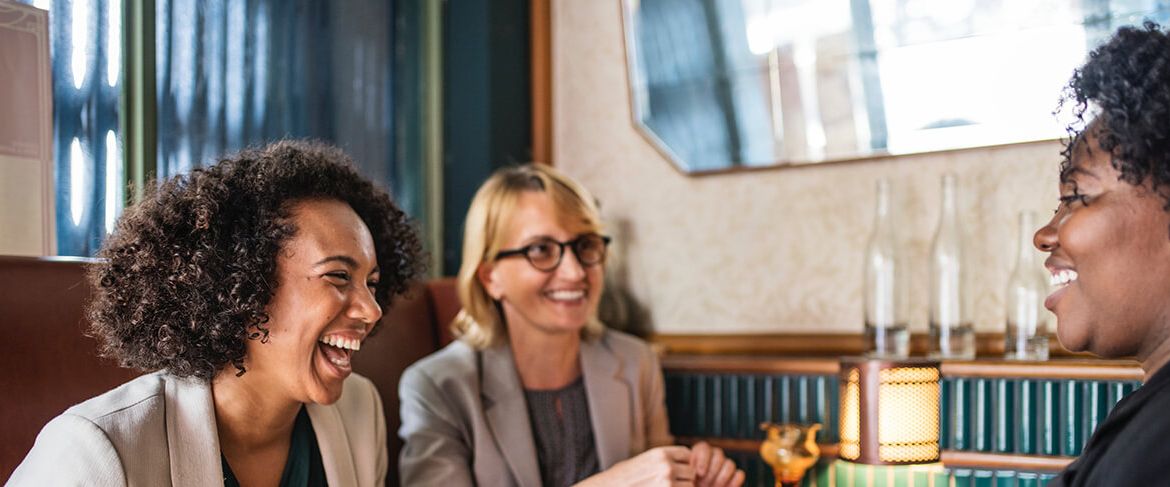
<point x="338" y="350"/>
<point x="566" y="296"/>
<point x="1060" y="279"/>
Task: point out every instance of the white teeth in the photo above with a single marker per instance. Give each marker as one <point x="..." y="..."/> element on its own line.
<point x="340" y="362"/>
<point x="1062" y="277"/>
<point x="342" y="342"/>
<point x="566" y="295"/>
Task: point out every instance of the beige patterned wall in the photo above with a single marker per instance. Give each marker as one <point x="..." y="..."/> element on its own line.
<point x="768" y="251"/>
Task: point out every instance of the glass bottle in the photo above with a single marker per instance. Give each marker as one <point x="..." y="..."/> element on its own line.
<point x="885" y="284"/>
<point x="951" y="333"/>
<point x="1027" y="320"/>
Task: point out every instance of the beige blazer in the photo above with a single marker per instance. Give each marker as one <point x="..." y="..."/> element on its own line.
<point x="159" y="430"/>
<point x="465" y="420"/>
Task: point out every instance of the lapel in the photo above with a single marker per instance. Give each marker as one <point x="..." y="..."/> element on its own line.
<point x="609" y="401"/>
<point x="507" y="414"/>
<point x="192" y="440"/>
<point x="334" y="445"/>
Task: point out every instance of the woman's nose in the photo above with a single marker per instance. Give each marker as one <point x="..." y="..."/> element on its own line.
<point x="365" y="307"/>
<point x="571" y="267"/>
<point x="1045" y="238"/>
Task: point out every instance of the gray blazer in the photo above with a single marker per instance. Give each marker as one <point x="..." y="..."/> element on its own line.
<point x="159" y="430"/>
<point x="465" y="420"/>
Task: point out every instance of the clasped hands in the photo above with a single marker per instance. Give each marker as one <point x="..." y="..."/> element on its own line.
<point x="702" y="465"/>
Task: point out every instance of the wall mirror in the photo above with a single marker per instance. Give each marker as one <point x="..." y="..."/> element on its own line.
<point x="725" y="84"/>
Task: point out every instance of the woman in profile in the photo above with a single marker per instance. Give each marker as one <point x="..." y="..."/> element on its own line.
<point x="536" y="391"/>
<point x="246" y="287"/>
<point x="1109" y="246"/>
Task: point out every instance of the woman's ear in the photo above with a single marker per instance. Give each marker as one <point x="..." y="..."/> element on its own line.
<point x="486" y="273"/>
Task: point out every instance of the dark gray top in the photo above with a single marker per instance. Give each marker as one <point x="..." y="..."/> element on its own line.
<point x="563" y="434"/>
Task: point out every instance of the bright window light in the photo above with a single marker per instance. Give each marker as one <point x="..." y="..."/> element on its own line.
<point x="114" y="43"/>
<point x="79" y="55"/>
<point x="79" y="185"/>
<point x="113" y="180"/>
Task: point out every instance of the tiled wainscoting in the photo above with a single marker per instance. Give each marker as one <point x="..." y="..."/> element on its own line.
<point x="1028" y="416"/>
<point x="1002" y="423"/>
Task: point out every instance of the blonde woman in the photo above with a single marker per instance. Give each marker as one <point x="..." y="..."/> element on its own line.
<point x="536" y="392"/>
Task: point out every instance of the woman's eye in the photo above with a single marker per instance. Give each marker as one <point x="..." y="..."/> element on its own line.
<point x="1068" y="200"/>
<point x="587" y="245"/>
<point x="338" y="277"/>
<point x="542" y="249"/>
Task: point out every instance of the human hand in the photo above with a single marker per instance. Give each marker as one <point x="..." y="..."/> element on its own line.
<point x="662" y="466"/>
<point x="713" y="468"/>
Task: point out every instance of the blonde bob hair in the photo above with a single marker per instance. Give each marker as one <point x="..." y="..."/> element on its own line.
<point x="480" y="323"/>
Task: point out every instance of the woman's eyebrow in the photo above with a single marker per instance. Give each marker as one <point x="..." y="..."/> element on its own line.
<point x="344" y="259"/>
<point x="1073" y="171"/>
<point x="536" y="238"/>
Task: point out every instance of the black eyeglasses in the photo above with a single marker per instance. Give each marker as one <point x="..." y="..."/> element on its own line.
<point x="545" y="254"/>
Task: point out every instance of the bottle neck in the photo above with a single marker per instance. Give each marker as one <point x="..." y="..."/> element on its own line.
<point x="1025" y="254"/>
<point x="882" y="202"/>
<point x="947" y="206"/>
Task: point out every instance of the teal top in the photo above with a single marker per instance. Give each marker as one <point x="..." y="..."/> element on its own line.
<point x="303" y="467"/>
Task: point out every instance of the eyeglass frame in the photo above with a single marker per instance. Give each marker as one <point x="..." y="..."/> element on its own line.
<point x="571" y="244"/>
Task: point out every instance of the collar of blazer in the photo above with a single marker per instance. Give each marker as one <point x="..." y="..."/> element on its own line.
<point x="191" y="436"/>
<point x="194" y="442"/>
<point x="610" y="408"/>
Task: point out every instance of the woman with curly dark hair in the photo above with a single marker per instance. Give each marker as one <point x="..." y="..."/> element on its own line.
<point x="1110" y="248"/>
<point x="246" y="287"/>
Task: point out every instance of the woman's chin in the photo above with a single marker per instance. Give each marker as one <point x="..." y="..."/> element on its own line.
<point x="1071" y="339"/>
<point x="325" y="394"/>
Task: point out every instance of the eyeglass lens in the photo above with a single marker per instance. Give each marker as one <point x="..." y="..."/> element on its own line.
<point x="547" y="254"/>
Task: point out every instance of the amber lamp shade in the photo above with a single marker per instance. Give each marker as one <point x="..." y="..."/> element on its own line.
<point x="889" y="411"/>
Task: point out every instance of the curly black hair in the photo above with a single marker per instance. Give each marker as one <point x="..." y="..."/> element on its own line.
<point x="187" y="273"/>
<point x="1125" y="86"/>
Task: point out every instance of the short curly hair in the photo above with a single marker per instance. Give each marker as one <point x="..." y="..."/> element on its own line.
<point x="1125" y="88"/>
<point x="186" y="275"/>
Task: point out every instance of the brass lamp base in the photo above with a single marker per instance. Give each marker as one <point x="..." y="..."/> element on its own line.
<point x="790" y="449"/>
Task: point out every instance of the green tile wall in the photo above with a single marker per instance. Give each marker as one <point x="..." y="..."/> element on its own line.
<point x="733" y="406"/>
<point x="1038" y="417"/>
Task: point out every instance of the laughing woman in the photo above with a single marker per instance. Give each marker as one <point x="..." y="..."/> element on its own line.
<point x="1110" y="249"/>
<point x="247" y="287"/>
<point x="536" y="391"/>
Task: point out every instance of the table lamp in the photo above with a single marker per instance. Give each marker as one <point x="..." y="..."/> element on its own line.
<point x="889" y="411"/>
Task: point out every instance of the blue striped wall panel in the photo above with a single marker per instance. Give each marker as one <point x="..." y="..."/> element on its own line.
<point x="1029" y="416"/>
<point x="734" y="405"/>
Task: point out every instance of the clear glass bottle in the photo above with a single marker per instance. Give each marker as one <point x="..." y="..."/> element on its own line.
<point x="885" y="284"/>
<point x="1026" y="337"/>
<point x="952" y="335"/>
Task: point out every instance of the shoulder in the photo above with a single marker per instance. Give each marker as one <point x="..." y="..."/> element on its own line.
<point x="124" y="401"/>
<point x="70" y="450"/>
<point x="626" y="346"/>
<point x="1134" y="456"/>
<point x="86" y="439"/>
<point x="455" y="363"/>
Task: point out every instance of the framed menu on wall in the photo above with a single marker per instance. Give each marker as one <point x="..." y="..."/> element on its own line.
<point x="26" y="124"/>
